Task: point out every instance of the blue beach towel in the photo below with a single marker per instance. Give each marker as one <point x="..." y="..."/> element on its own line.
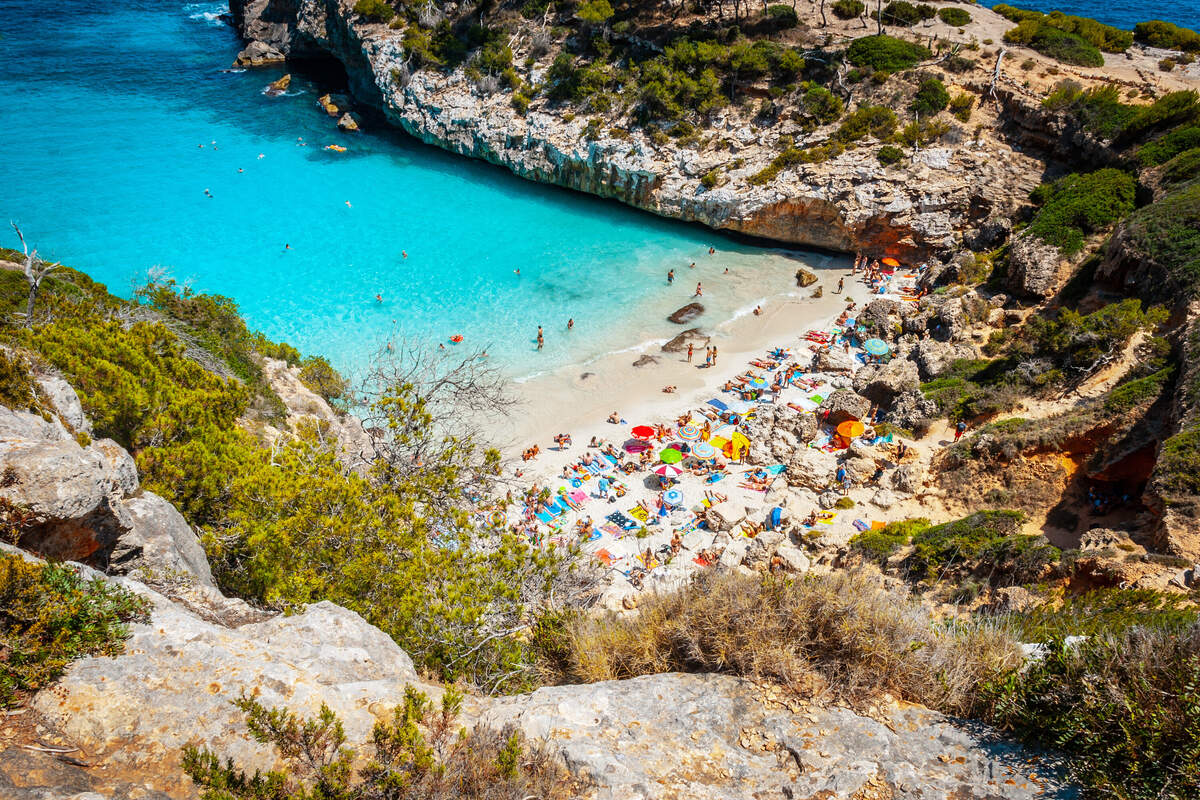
<point x="717" y="404"/>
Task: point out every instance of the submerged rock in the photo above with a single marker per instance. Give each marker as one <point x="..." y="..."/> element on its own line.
<point x="686" y="314"/>
<point x="257" y="54"/>
<point x="280" y="86"/>
<point x="348" y="122"/>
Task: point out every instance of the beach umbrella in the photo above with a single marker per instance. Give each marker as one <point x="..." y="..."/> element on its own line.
<point x="891" y="262"/>
<point x="643" y="431"/>
<point x="703" y="451"/>
<point x="689" y="432"/>
<point x="851" y="428"/>
<point x="668" y="471"/>
<point x="674" y="497"/>
<point x="670" y="456"/>
<point x="636" y="446"/>
<point x="758" y="383"/>
<point x="876" y="347"/>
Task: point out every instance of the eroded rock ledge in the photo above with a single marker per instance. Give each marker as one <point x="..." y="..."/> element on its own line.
<point x="848" y="203"/>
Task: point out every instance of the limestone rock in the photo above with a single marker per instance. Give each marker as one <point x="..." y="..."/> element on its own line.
<point x="907" y="478"/>
<point x="1033" y="266"/>
<point x="810" y="469"/>
<point x="934" y="358"/>
<point x="121" y="469"/>
<point x="684" y="315"/>
<point x="883" y="499"/>
<point x="828" y="500"/>
<point x="159" y="541"/>
<point x="65" y="402"/>
<point x="710" y="737"/>
<point x="175" y="681"/>
<point x="881" y="318"/>
<point x="280" y="86"/>
<point x="348" y="122"/>
<point x="844" y="404"/>
<point x="680" y="342"/>
<point x="1013" y="600"/>
<point x="305" y="405"/>
<point x="911" y="409"/>
<point x="881" y="384"/>
<point x="805" y="278"/>
<point x="792" y="558"/>
<point x="257" y="54"/>
<point x="834" y="359"/>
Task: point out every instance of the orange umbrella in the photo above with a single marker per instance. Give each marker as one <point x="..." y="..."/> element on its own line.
<point x="851" y="428"/>
<point x="891" y="262"/>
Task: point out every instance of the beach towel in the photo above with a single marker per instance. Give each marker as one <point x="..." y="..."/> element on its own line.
<point x="816" y="398"/>
<point x="606" y="558"/>
<point x="776" y="469"/>
<point x="593" y="536"/>
<point x="718" y="404"/>
<point x="639" y="513"/>
<point x="877" y="525"/>
<point x="579" y="497"/>
<point x="859" y="525"/>
<point x="611" y="530"/>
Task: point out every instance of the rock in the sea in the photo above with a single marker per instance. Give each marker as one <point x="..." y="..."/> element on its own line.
<point x="680" y="342"/>
<point x="711" y="737"/>
<point x="805" y="278"/>
<point x="686" y="314"/>
<point x="844" y="404"/>
<point x="348" y="122"/>
<point x="1033" y="266"/>
<point x="280" y="86"/>
<point x="257" y="54"/>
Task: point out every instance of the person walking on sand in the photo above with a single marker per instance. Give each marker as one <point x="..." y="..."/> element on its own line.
<point x="960" y="429"/>
<point x="670" y="277"/>
<point x="541" y="338"/>
<point x="708" y="358"/>
<point x="714" y="355"/>
<point x="841" y="284"/>
<point x="690" y="350"/>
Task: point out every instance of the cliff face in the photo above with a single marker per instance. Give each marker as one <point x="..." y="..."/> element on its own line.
<point x="848" y="202"/>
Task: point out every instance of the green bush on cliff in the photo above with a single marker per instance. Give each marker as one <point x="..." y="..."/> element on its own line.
<point x="989" y="537"/>
<point x="1182" y="168"/>
<point x="821" y="105"/>
<point x="49" y="616"/>
<point x="1167" y="35"/>
<point x="1103" y="612"/>
<point x="1167" y="233"/>
<point x="879" y="544"/>
<point x="885" y="53"/>
<point x="848" y="9"/>
<point x="1175" y="108"/>
<point x="374" y="10"/>
<point x="877" y="121"/>
<point x="1122" y="706"/>
<point x="931" y="97"/>
<point x="954" y="16"/>
<point x="1081" y="204"/>
<point x="420" y="751"/>
<point x="1169" y="145"/>
<point x="1056" y="43"/>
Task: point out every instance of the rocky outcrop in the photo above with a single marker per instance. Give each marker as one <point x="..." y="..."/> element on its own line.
<point x="708" y="736"/>
<point x="844" y="404"/>
<point x="881" y="384"/>
<point x="1034" y="267"/>
<point x="304" y="406"/>
<point x="686" y="314"/>
<point x="848" y="202"/>
<point x="258" y="54"/>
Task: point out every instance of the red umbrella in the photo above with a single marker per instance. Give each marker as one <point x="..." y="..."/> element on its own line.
<point x="636" y="445"/>
<point x="643" y="431"/>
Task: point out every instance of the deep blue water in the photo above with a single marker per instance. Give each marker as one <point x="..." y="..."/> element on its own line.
<point x="1121" y="15"/>
<point x="118" y="117"/>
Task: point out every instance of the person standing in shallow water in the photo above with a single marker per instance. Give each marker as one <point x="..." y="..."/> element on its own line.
<point x="541" y="338"/>
<point x="670" y="277"/>
<point x="690" y="351"/>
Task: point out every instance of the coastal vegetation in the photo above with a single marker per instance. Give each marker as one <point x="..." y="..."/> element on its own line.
<point x="51" y="616"/>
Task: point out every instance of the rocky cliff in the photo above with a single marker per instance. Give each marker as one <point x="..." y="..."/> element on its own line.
<point x="846" y="203"/>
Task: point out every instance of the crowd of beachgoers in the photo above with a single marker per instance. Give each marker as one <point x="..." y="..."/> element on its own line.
<point x="654" y="500"/>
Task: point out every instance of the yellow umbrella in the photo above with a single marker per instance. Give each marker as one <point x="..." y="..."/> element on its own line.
<point x="851" y="428"/>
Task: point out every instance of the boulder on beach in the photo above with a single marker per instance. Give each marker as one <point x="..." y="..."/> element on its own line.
<point x="805" y="278"/>
<point x="844" y="404"/>
<point x="686" y="314"/>
<point x="679" y="344"/>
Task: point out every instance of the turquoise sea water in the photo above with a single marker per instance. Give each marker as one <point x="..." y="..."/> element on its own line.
<point x="107" y="105"/>
<point x="1122" y="15"/>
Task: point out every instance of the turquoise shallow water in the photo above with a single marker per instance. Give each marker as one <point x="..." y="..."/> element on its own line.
<point x="107" y="105"/>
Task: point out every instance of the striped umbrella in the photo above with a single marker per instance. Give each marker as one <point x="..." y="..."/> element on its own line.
<point x="668" y="471"/>
<point x="689" y="432"/>
<point x="703" y="451"/>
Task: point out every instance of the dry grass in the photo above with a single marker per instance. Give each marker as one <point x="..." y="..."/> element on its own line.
<point x="841" y="636"/>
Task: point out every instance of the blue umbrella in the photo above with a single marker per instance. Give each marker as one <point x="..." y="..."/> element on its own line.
<point x="674" y="497"/>
<point x="876" y="347"/>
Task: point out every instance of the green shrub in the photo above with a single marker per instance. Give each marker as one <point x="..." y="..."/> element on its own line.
<point x="1055" y="43"/>
<point x="1079" y="341"/>
<point x="1122" y="707"/>
<point x="788" y="158"/>
<point x="931" y="97"/>
<point x="1129" y="395"/>
<point x="905" y="14"/>
<point x="822" y="105"/>
<point x="420" y="752"/>
<point x="1182" y="168"/>
<point x="319" y="375"/>
<point x="1015" y="14"/>
<point x="848" y="9"/>
<point x="885" y="54"/>
<point x="1081" y="204"/>
<point x="1103" y="611"/>
<point x="1169" y="36"/>
<point x="1175" y="108"/>
<point x="1171" y="144"/>
<point x="944" y="547"/>
<point x="1167" y="233"/>
<point x="18" y="390"/>
<point x="594" y="12"/>
<point x="877" y="121"/>
<point x="1099" y="109"/>
<point x="843" y="503"/>
<point x="961" y="105"/>
<point x="782" y="16"/>
<point x="51" y="617"/>
<point x="1177" y="471"/>
<point x="711" y="178"/>
<point x="878" y="544"/>
<point x="374" y="10"/>
<point x="954" y="16"/>
<point x="889" y="154"/>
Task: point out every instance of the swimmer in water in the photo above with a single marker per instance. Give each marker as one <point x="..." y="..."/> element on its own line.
<point x="517" y="271"/>
<point x="404" y="253"/>
<point x="262" y="155"/>
<point x="670" y="277"/>
<point x="570" y="323"/>
<point x="241" y="170"/>
<point x="379" y="298"/>
<point x="348" y="204"/>
<point x="287" y="247"/>
<point x="699" y="290"/>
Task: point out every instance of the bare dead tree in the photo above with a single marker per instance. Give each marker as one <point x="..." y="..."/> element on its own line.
<point x="879" y="17"/>
<point x="996" y="76"/>
<point x="36" y="270"/>
<point x="824" y="22"/>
